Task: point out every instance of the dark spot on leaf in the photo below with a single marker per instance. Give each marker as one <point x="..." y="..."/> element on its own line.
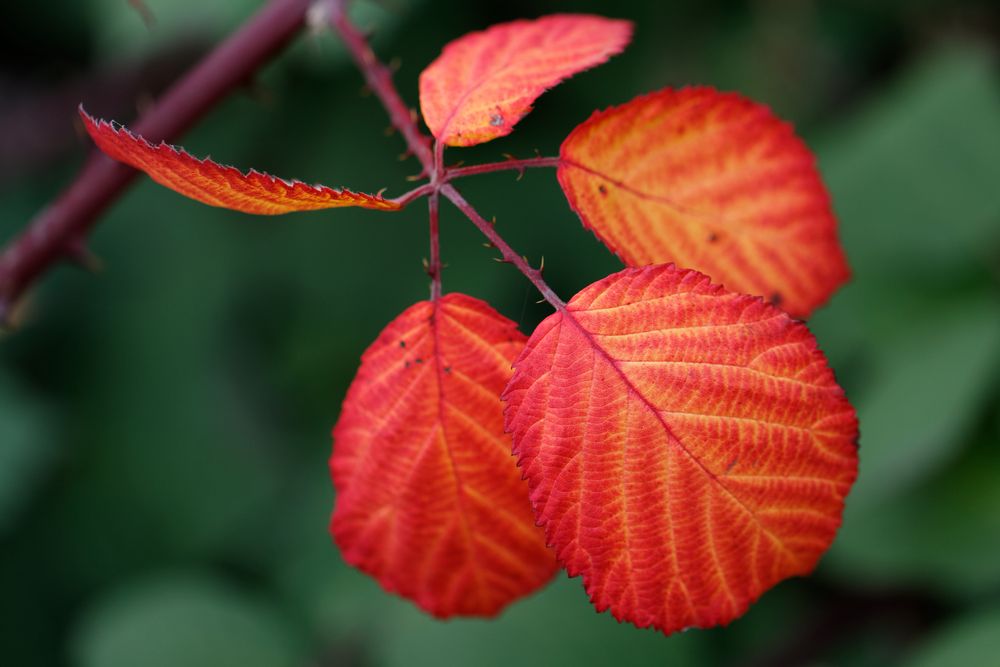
<point x="775" y="299"/>
<point x="732" y="464"/>
<point x="406" y="365"/>
<point x="447" y="369"/>
<point x="419" y="360"/>
<point x="496" y="120"/>
<point x="712" y="237"/>
<point x="603" y="190"/>
<point x="402" y="343"/>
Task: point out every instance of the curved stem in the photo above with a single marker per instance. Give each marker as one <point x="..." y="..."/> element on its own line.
<point x="379" y="79"/>
<point x="519" y="165"/>
<point x="508" y="254"/>
<point x="59" y="230"/>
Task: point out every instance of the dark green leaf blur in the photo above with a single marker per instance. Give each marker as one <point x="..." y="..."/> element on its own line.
<point x="164" y="424"/>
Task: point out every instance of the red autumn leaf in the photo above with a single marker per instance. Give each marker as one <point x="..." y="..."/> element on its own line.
<point x="429" y="499"/>
<point x="220" y="185"/>
<point x="482" y="84"/>
<point x="686" y="447"/>
<point x="713" y="182"/>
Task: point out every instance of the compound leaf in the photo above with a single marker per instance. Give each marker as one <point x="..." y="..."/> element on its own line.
<point x="482" y="84"/>
<point x="712" y="182"/>
<point x="220" y="185"/>
<point x="430" y="501"/>
<point x="686" y="447"/>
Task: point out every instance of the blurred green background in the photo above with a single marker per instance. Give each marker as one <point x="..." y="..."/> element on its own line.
<point x="164" y="426"/>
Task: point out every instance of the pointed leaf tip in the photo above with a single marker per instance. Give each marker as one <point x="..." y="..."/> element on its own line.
<point x="685" y="447"/>
<point x="482" y="84"/>
<point x="219" y="185"/>
<point x="713" y="182"/>
<point x="429" y="499"/>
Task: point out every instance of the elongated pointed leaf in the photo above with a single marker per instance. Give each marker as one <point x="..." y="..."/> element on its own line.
<point x="712" y="182"/>
<point x="220" y="185"/>
<point x="686" y="447"/>
<point x="482" y="84"/>
<point x="429" y="499"/>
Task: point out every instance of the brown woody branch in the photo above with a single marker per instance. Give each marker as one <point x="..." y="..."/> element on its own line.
<point x="59" y="231"/>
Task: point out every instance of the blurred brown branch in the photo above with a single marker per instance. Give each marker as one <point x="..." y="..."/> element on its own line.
<point x="43" y="117"/>
<point x="58" y="232"/>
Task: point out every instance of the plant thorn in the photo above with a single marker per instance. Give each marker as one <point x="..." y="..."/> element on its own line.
<point x="145" y="13"/>
<point x="144" y="102"/>
<point x="81" y="255"/>
<point x="395" y="64"/>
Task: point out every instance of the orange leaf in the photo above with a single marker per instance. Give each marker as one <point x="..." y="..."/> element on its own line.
<point x="483" y="83"/>
<point x="686" y="447"/>
<point x="430" y="501"/>
<point x="713" y="182"/>
<point x="219" y="185"/>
